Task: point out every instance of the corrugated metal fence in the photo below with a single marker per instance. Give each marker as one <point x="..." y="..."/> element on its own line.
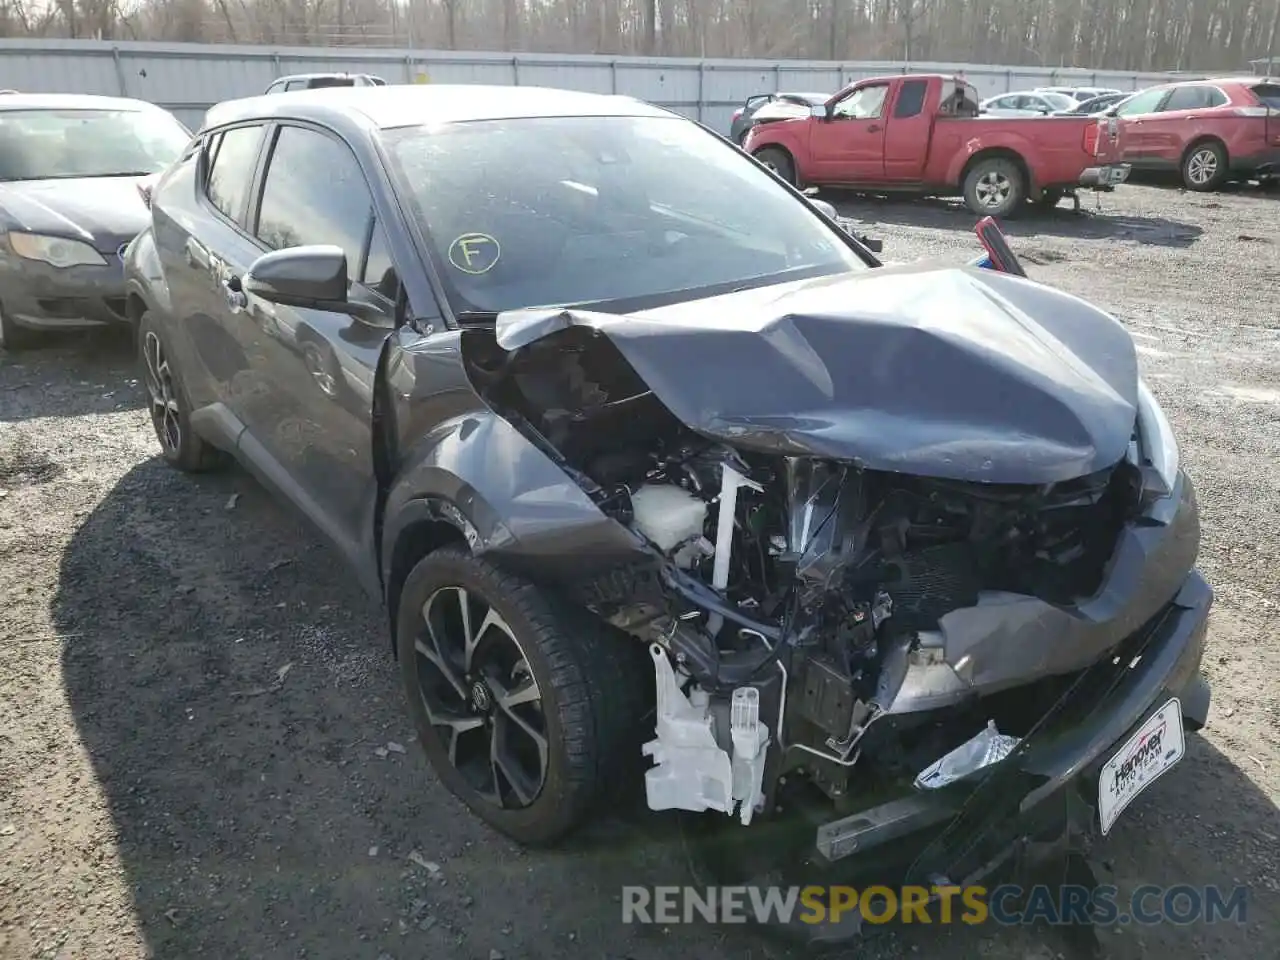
<point x="188" y="78"/>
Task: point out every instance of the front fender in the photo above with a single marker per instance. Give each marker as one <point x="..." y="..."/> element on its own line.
<point x="791" y="135"/>
<point x="479" y="474"/>
<point x="143" y="276"/>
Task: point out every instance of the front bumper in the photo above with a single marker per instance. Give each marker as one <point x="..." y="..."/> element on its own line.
<point x="1105" y="177"/>
<point x="1041" y="802"/>
<point x="44" y="297"/>
<point x="1051" y="784"/>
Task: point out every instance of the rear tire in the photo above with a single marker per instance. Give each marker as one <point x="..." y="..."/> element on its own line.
<point x="778" y="161"/>
<point x="529" y="715"/>
<point x="995" y="187"/>
<point x="168" y="405"/>
<point x="1204" y="168"/>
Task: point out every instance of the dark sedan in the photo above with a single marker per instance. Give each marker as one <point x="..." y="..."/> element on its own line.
<point x="72" y="169"/>
<point x="647" y="458"/>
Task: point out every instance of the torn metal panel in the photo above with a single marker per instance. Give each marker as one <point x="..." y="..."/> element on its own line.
<point x="956" y="373"/>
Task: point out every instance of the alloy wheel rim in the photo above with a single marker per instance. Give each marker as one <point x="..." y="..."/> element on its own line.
<point x="164" y="397"/>
<point x="481" y="698"/>
<point x="993" y="189"/>
<point x="316" y="366"/>
<point x="1202" y="166"/>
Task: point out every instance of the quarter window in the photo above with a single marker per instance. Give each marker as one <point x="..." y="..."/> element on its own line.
<point x="233" y="160"/>
<point x="379" y="272"/>
<point x="314" y="193"/>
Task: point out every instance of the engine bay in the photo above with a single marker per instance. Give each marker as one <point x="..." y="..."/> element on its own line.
<point x="782" y="597"/>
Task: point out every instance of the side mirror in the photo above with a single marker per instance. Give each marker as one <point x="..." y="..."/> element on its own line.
<point x="820" y="111"/>
<point x="313" y="277"/>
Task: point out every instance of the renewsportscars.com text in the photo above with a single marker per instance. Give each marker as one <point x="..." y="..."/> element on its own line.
<point x="1006" y="905"/>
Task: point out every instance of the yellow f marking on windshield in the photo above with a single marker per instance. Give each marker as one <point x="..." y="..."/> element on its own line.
<point x="475" y="253"/>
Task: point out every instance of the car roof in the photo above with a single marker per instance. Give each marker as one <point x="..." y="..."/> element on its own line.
<point x="318" y="76"/>
<point x="70" y="101"/>
<point x="406" y="105"/>
<point x="1245" y="80"/>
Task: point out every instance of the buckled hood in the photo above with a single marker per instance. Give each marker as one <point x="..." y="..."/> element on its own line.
<point x="954" y="373"/>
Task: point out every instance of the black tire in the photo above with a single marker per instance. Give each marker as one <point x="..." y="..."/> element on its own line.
<point x="1204" y="167"/>
<point x="1049" y="199"/>
<point x="779" y="162"/>
<point x="588" y="706"/>
<point x="168" y="405"/>
<point x="15" y="337"/>
<point x="995" y="187"/>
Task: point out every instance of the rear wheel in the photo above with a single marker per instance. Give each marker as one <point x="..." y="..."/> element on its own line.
<point x="995" y="187"/>
<point x="1204" y="168"/>
<point x="779" y="162"/>
<point x="527" y="708"/>
<point x="167" y="402"/>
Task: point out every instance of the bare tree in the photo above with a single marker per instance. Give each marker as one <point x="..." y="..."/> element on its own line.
<point x="1107" y="34"/>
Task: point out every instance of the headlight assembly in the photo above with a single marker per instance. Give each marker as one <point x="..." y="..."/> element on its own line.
<point x="1157" y="446"/>
<point x="56" y="251"/>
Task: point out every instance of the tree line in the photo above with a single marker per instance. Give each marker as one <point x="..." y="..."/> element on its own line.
<point x="1147" y="35"/>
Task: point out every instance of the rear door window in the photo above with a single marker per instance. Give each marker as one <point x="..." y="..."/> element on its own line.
<point x="1193" y="98"/>
<point x="233" y="160"/>
<point x="910" y="98"/>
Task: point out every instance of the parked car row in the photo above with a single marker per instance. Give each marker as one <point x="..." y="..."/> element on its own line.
<point x="922" y="134"/>
<point x="879" y="134"/>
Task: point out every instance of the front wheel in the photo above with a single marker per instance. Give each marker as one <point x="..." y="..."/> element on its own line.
<point x="526" y="707"/>
<point x="995" y="187"/>
<point x="1204" y="168"/>
<point x="778" y="161"/>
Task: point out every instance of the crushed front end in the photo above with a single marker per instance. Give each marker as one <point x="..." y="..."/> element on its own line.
<point x="922" y="646"/>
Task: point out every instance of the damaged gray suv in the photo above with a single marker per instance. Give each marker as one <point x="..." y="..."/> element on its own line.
<point x="655" y="467"/>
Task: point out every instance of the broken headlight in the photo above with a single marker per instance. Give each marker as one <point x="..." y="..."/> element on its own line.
<point x="1157" y="448"/>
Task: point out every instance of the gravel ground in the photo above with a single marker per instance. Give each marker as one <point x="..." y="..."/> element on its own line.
<point x="200" y="725"/>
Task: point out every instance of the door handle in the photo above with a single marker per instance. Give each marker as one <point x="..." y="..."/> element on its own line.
<point x="874" y="128"/>
<point x="236" y="300"/>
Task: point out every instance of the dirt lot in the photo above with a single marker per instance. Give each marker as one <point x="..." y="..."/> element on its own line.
<point x="196" y="702"/>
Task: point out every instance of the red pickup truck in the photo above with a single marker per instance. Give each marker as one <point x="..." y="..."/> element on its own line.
<point x="920" y="133"/>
